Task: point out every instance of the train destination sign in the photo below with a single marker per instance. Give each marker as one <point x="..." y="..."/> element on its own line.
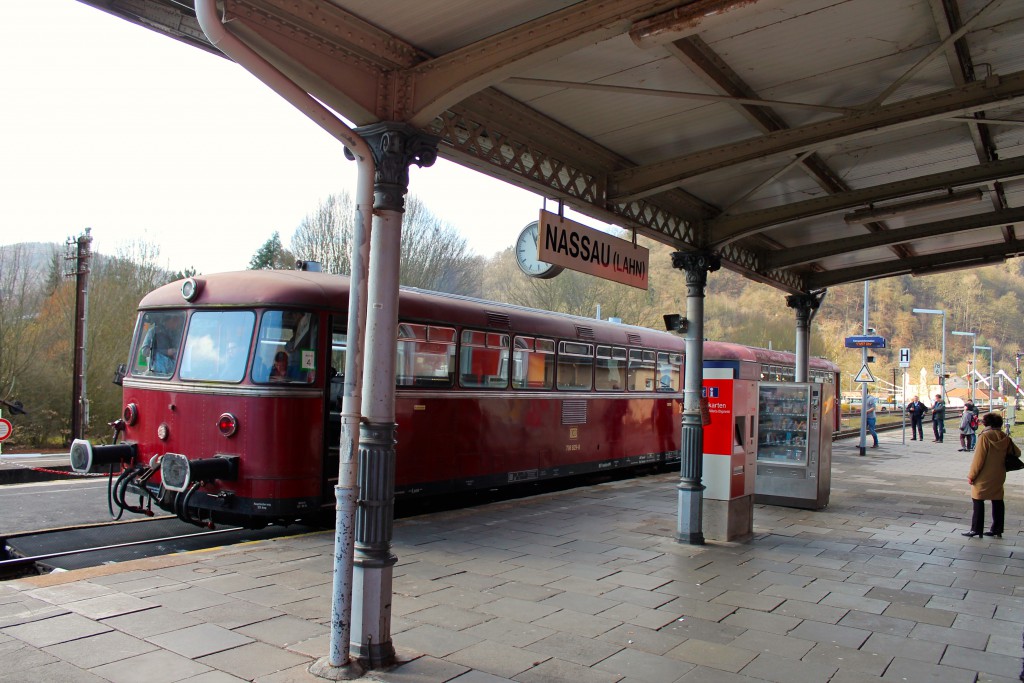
<point x="865" y="341"/>
<point x="575" y="246"/>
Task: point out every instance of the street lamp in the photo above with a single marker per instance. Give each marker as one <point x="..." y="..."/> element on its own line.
<point x="942" y="369"/>
<point x="991" y="379"/>
<point x="974" y="356"/>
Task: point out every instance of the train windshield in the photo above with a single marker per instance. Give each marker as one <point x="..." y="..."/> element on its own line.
<point x="217" y="346"/>
<point x="157" y="341"/>
<point x="286" y="348"/>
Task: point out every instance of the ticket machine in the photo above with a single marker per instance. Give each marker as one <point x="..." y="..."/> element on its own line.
<point x="730" y="451"/>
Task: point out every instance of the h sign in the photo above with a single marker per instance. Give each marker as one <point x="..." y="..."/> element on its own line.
<point x="904" y="358"/>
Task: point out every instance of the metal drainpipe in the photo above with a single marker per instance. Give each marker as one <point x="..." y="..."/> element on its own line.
<point x="337" y="663"/>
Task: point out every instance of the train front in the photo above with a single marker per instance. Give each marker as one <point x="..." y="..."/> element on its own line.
<point x="223" y="407"/>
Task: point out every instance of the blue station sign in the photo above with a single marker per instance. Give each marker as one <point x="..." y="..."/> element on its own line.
<point x="865" y="341"/>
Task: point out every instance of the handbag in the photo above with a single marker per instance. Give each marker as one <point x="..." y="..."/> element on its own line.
<point x="1013" y="461"/>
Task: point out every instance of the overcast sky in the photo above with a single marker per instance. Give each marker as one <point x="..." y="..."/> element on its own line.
<point x="111" y="126"/>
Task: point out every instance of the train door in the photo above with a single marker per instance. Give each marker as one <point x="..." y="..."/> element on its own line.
<point x="335" y="364"/>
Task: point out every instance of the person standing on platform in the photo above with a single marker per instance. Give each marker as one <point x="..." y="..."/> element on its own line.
<point x="916" y="409"/>
<point x="974" y="422"/>
<point x="870" y="418"/>
<point x="987" y="476"/>
<point x="965" y="430"/>
<point x="939" y="418"/>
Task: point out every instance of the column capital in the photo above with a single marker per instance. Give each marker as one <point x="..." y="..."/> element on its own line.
<point x="396" y="146"/>
<point x="806" y="301"/>
<point x="696" y="265"/>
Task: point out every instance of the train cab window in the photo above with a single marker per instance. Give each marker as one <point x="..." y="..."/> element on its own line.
<point x="426" y="356"/>
<point x="669" y="371"/>
<point x="575" y="366"/>
<point x="483" y="363"/>
<point x="533" y="363"/>
<point x="217" y="346"/>
<point x="157" y="341"/>
<point x="642" y="370"/>
<point x="286" y="348"/>
<point x="610" y="374"/>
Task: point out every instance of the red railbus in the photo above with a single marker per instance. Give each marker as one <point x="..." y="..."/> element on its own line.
<point x="231" y="397"/>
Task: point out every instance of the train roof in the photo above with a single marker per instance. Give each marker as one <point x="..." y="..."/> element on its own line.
<point x="313" y="290"/>
<point x="715" y="350"/>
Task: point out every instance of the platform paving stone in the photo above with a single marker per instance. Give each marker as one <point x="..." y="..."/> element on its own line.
<point x="497" y="659"/>
<point x="253" y="660"/>
<point x="783" y="670"/>
<point x="55" y="671"/>
<point x="151" y="622"/>
<point x="58" y="629"/>
<point x="560" y="671"/>
<point x="913" y="671"/>
<point x="714" y="655"/>
<point x="159" y="666"/>
<point x="100" y="649"/>
<point x="438" y="642"/>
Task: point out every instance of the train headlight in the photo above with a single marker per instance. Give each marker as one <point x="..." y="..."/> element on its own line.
<point x="190" y="288"/>
<point x="162" y="431"/>
<point x="175" y="472"/>
<point x="131" y="414"/>
<point x="227" y="424"/>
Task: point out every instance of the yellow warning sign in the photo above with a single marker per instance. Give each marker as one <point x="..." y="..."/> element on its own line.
<point x="864" y="375"/>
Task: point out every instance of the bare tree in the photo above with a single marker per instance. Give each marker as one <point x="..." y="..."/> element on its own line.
<point x="21" y="293"/>
<point x="434" y="255"/>
<point x="325" y="235"/>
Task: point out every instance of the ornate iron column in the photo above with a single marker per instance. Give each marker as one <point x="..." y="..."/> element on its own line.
<point x="395" y="146"/>
<point x="805" y="305"/>
<point x="697" y="265"/>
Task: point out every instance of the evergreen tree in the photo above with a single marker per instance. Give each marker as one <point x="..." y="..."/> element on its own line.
<point x="272" y="255"/>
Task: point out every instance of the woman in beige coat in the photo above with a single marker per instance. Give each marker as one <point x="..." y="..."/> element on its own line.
<point x="987" y="475"/>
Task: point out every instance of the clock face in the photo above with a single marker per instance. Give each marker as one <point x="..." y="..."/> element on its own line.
<point x="526" y="254"/>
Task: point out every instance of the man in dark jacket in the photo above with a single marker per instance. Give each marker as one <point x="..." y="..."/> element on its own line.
<point x="916" y="410"/>
<point x="939" y="418"/>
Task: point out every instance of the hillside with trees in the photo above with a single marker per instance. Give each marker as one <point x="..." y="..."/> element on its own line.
<point x="37" y="304"/>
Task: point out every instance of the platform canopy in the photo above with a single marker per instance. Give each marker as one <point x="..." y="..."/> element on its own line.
<point x="808" y="142"/>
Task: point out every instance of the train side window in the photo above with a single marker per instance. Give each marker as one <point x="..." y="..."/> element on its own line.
<point x="426" y="356"/>
<point x="533" y="363"/>
<point x="575" y="366"/>
<point x="157" y="342"/>
<point x="336" y="372"/>
<point x="641" y="370"/>
<point x="611" y="369"/>
<point x="483" y="363"/>
<point x="217" y="346"/>
<point x="286" y="348"/>
<point x="669" y="371"/>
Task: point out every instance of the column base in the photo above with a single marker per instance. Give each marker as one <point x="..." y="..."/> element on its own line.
<point x="322" y="668"/>
<point x="689" y="522"/>
<point x="729" y="520"/>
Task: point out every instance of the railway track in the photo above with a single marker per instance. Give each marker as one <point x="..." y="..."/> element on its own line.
<point x="76" y="547"/>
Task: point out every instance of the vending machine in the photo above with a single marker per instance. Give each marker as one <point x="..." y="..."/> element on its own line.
<point x="794" y="444"/>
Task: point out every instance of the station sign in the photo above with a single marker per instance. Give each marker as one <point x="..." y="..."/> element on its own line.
<point x="865" y="341"/>
<point x="6" y="429"/>
<point x="905" y="358"/>
<point x="574" y="246"/>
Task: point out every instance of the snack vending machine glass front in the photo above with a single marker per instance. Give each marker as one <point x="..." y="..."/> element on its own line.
<point x="794" y="444"/>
